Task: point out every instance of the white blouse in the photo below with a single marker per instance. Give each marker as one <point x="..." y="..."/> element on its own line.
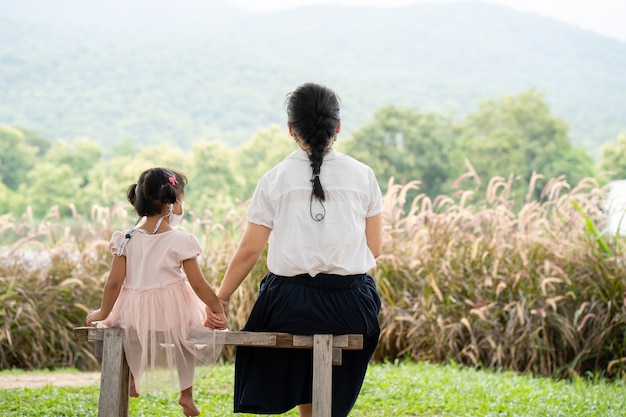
<point x="298" y="244"/>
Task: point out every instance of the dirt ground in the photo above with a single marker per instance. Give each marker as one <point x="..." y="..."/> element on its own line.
<point x="38" y="380"/>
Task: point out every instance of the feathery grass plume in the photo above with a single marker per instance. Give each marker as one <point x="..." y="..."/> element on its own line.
<point x="475" y="279"/>
<point x="477" y="282"/>
<point x="50" y="276"/>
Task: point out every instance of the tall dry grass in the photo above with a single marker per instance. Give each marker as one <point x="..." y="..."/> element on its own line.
<point x="52" y="273"/>
<point x="466" y="278"/>
<point x="49" y="273"/>
<point x="475" y="281"/>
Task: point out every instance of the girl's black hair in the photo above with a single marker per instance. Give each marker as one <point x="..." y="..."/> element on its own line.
<point x="154" y="188"/>
<point x="313" y="112"/>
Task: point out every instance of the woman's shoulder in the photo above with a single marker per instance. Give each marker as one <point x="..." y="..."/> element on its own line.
<point x="287" y="165"/>
<point x="350" y="161"/>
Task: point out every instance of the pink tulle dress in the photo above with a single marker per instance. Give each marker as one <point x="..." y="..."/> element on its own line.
<point x="157" y="308"/>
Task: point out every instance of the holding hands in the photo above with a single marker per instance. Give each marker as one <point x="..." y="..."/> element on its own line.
<point x="215" y="320"/>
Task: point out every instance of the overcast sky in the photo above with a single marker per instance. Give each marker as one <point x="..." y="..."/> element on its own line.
<point x="607" y="17"/>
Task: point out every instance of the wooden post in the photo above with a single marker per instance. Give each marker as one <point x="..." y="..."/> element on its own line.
<point x="322" y="375"/>
<point x="114" y="380"/>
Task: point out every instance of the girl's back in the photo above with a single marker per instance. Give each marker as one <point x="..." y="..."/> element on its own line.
<point x="155" y="259"/>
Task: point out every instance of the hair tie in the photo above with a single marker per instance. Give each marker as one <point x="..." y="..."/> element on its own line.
<point x="172" y="179"/>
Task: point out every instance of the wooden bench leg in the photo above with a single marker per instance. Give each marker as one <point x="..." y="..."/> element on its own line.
<point x="114" y="380"/>
<point x="322" y="375"/>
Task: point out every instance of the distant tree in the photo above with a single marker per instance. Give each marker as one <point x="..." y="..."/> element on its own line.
<point x="267" y="148"/>
<point x="51" y="185"/>
<point x="407" y="145"/>
<point x="613" y="158"/>
<point x="163" y="156"/>
<point x="35" y="139"/>
<point x="573" y="162"/>
<point x="81" y="155"/>
<point x="16" y="156"/>
<point x="211" y="180"/>
<point x="11" y="201"/>
<point x="125" y="165"/>
<point x="518" y="135"/>
<point x="77" y="160"/>
<point x="126" y="147"/>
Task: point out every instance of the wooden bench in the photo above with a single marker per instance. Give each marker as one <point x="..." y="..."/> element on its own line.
<point x="115" y="377"/>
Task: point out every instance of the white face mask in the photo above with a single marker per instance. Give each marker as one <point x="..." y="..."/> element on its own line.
<point x="175" y="219"/>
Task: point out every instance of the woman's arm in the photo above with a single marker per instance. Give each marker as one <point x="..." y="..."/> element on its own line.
<point x="112" y="288"/>
<point x="374" y="234"/>
<point x="248" y="252"/>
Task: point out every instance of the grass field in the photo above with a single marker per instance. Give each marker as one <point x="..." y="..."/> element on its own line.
<point x="401" y="389"/>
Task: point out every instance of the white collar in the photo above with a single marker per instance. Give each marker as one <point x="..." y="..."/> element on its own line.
<point x="303" y="155"/>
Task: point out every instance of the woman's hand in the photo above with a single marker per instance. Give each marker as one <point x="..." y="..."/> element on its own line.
<point x="225" y="305"/>
<point x="216" y="321"/>
<point x="95" y="315"/>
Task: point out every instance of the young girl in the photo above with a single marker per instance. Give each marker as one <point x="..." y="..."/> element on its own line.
<point x="156" y="290"/>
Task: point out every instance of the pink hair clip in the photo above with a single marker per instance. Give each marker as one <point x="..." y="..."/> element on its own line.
<point x="172" y="179"/>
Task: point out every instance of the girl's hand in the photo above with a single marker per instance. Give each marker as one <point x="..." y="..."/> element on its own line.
<point x="216" y="321"/>
<point x="94" y="315"/>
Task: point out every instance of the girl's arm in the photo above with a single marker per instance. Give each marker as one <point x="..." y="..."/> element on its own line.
<point x="374" y="234"/>
<point x="112" y="289"/>
<point x="248" y="252"/>
<point x="204" y="291"/>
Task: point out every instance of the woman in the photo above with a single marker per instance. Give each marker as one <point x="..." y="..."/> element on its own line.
<point x="320" y="210"/>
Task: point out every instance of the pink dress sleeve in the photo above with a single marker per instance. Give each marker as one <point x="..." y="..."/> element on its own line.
<point x="188" y="247"/>
<point x="114" y="244"/>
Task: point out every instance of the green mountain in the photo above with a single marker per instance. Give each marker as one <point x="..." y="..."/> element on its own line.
<point x="175" y="73"/>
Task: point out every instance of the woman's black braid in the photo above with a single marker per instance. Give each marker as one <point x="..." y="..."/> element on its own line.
<point x="313" y="112"/>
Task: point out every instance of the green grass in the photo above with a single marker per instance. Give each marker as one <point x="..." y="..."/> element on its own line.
<point x="401" y="389"/>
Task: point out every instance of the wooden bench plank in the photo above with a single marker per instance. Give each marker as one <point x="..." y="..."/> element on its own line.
<point x="344" y="341"/>
<point x="243" y="338"/>
<point x="114" y="383"/>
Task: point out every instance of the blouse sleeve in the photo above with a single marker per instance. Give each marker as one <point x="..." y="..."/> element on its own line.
<point x="376" y="203"/>
<point x="114" y="243"/>
<point x="260" y="210"/>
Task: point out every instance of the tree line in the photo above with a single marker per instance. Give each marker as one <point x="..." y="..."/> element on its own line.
<point x="514" y="135"/>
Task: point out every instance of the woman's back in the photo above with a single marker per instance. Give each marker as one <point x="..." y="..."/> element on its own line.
<point x="311" y="236"/>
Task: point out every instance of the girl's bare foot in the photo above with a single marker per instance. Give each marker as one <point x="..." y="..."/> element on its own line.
<point x="133" y="388"/>
<point x="186" y="401"/>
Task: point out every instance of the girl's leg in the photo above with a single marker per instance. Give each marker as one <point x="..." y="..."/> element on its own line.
<point x="132" y="349"/>
<point x="305" y="410"/>
<point x="185" y="366"/>
<point x="186" y="401"/>
<point x="133" y="387"/>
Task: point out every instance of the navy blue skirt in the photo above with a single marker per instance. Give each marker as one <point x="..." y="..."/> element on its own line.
<point x="273" y="380"/>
